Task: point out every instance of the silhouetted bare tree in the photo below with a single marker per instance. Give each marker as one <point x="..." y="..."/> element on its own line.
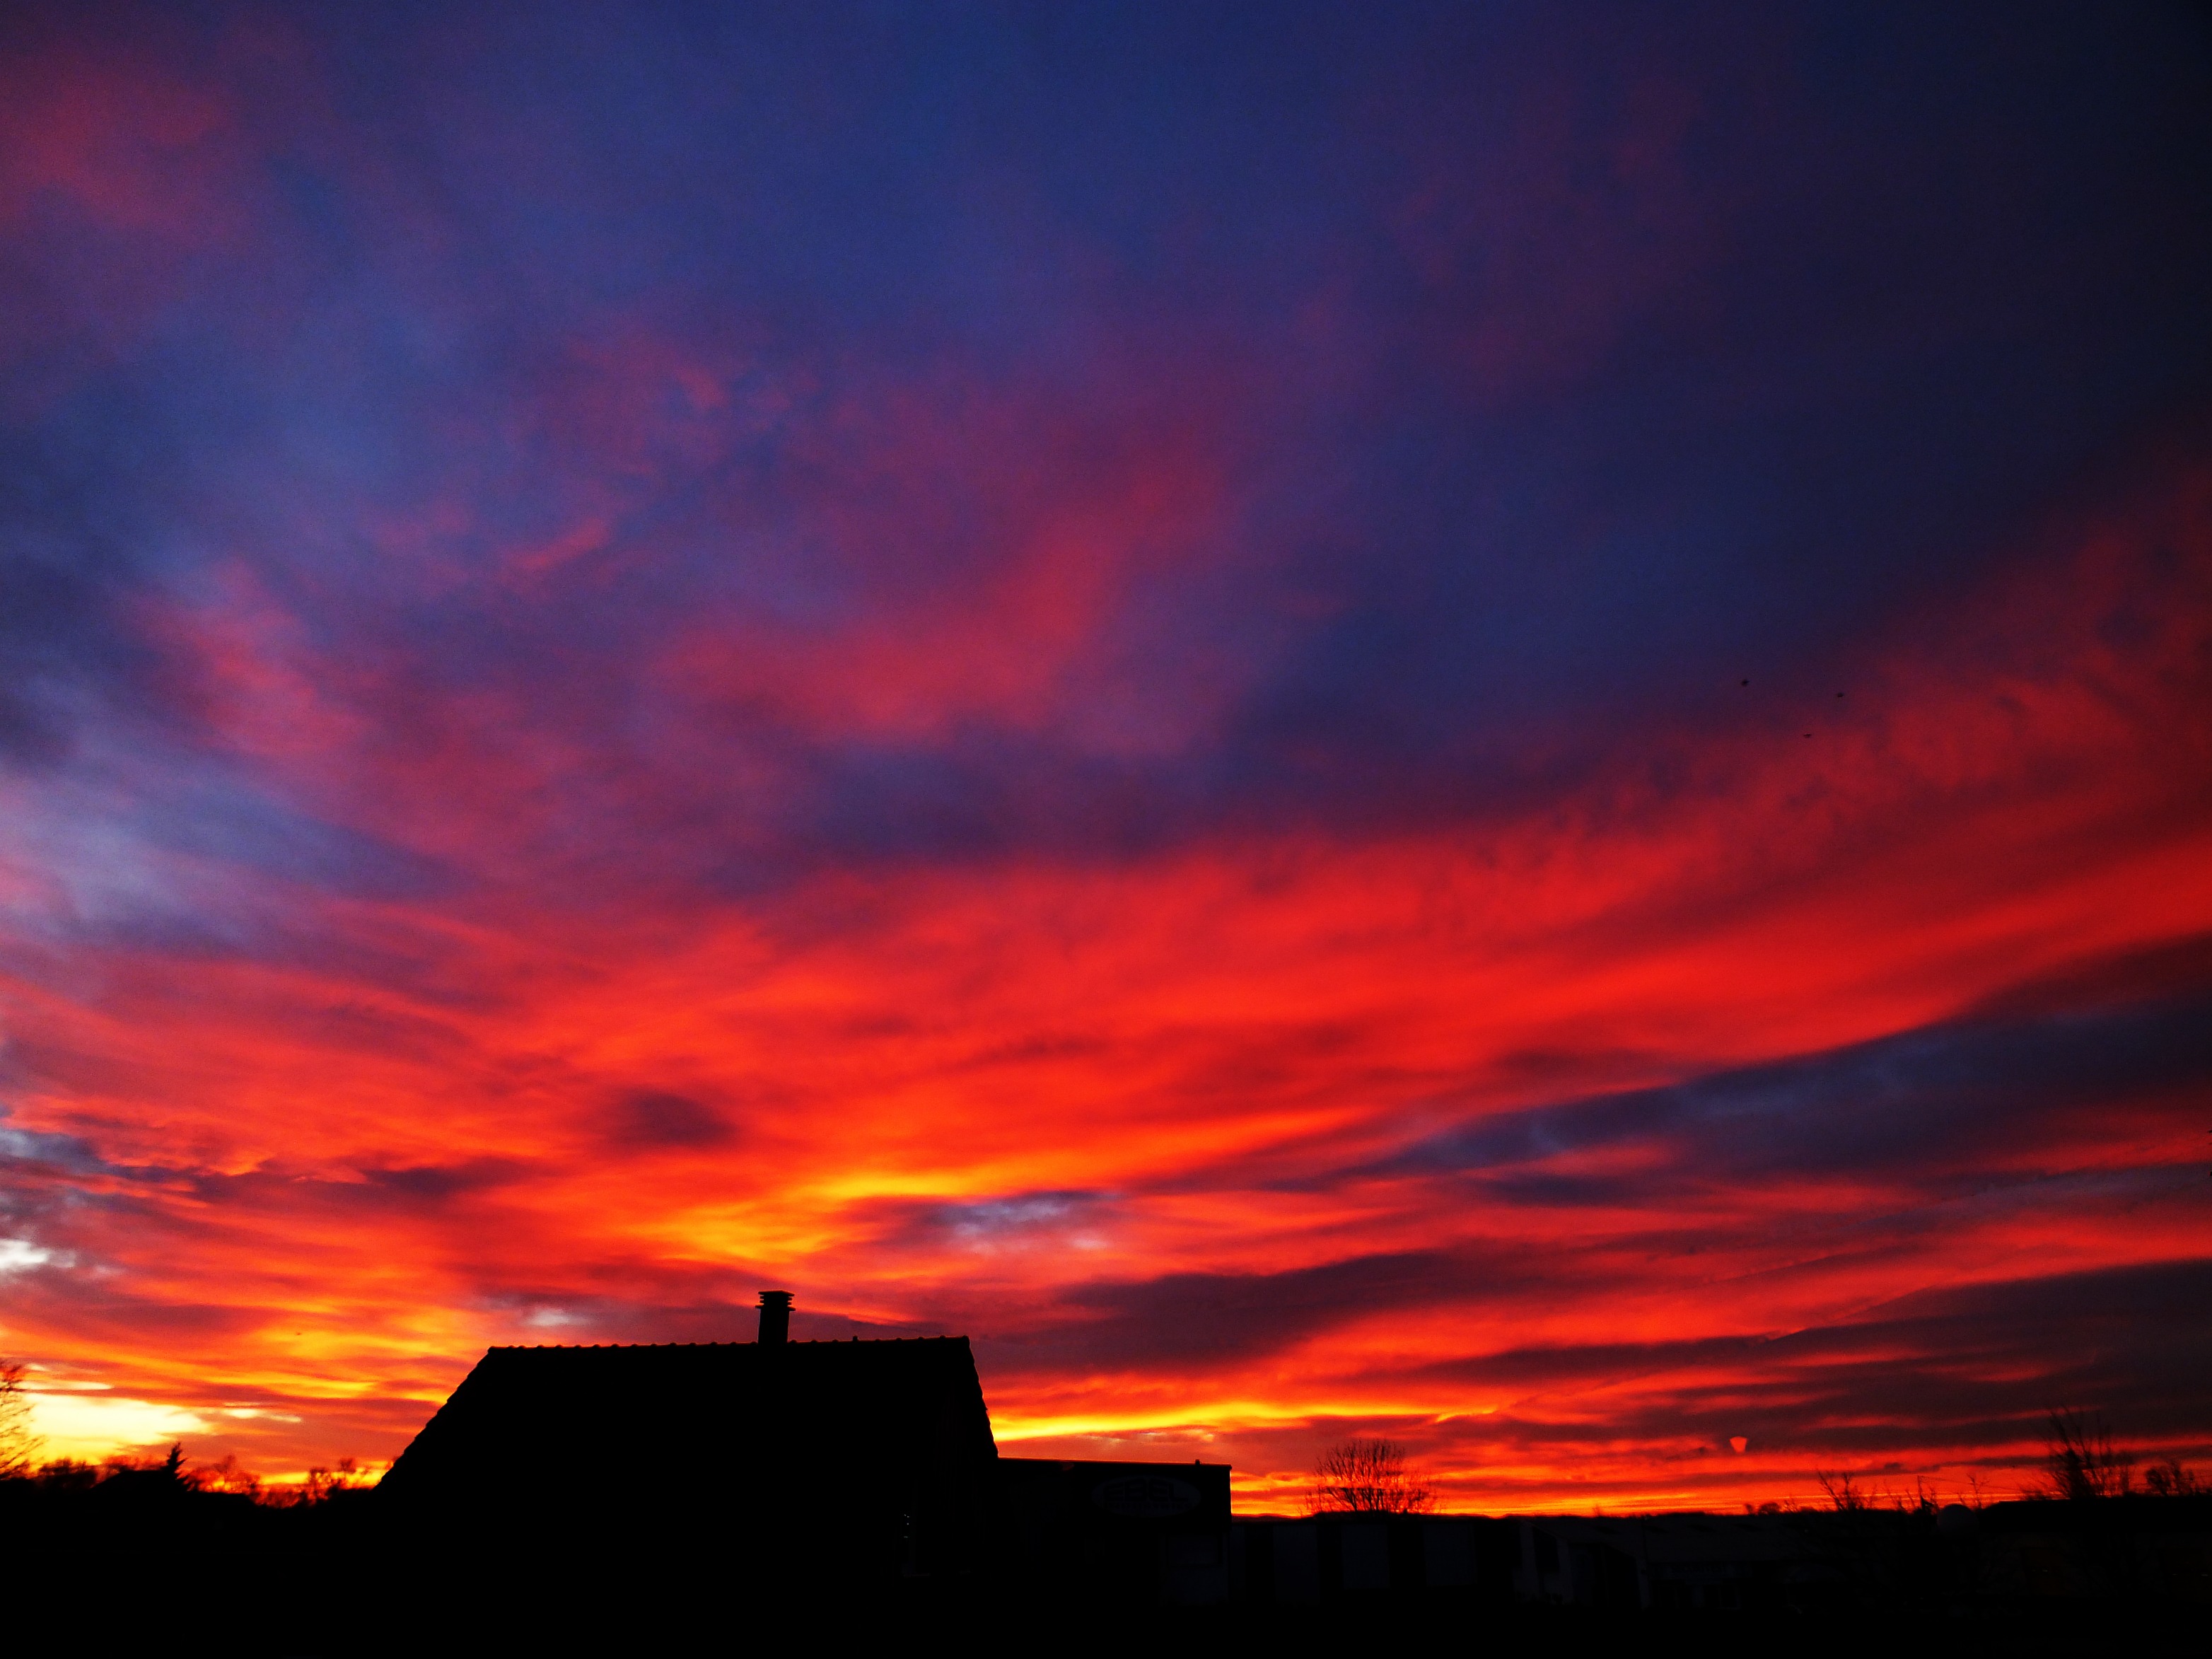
<point x="19" y="1447"/>
<point x="1370" y="1477"/>
<point x="2171" y="1479"/>
<point x="2079" y="1461"/>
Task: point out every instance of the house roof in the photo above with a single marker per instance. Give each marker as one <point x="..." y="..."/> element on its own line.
<point x="535" y="1421"/>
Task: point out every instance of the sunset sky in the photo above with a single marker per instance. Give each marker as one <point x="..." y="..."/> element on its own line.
<point x="1490" y="723"/>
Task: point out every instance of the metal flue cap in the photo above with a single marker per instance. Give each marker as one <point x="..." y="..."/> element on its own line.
<point x="775" y="1316"/>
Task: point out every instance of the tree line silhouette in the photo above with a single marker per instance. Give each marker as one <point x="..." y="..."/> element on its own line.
<point x="19" y="1462"/>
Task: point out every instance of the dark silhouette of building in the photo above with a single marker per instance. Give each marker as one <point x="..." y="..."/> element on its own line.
<point x="1121" y="1532"/>
<point x="774" y="1459"/>
<point x="849" y="1464"/>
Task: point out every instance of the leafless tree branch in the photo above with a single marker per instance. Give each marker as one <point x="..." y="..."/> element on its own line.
<point x="19" y="1447"/>
<point x="1370" y="1477"/>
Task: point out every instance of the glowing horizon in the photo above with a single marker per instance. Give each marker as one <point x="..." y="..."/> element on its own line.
<point x="1468" y="725"/>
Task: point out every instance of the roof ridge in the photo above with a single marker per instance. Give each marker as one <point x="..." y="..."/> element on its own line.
<point x="614" y="1347"/>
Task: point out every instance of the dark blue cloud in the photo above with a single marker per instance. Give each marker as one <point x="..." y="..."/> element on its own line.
<point x="1009" y="1220"/>
<point x="44" y="1151"/>
<point x="1974" y="1364"/>
<point x="1944" y="1108"/>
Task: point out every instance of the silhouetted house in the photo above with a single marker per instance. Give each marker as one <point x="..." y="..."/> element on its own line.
<point x="774" y="1460"/>
<point x="681" y="1468"/>
<point x="1123" y="1532"/>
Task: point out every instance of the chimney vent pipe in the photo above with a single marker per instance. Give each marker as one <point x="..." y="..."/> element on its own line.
<point x="774" y="1317"/>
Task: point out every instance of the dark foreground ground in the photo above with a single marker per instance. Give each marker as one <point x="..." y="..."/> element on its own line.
<point x="159" y="1569"/>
